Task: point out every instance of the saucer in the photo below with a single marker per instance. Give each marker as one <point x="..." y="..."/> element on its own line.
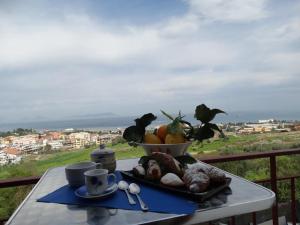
<point x="82" y="192"/>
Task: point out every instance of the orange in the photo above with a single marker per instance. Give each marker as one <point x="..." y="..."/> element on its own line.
<point x="174" y="139"/>
<point x="151" y="139"/>
<point x="162" y="132"/>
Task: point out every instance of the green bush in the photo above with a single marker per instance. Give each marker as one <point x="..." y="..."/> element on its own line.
<point x="118" y="140"/>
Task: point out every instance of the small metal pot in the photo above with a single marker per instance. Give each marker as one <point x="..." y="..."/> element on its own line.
<point x="106" y="157"/>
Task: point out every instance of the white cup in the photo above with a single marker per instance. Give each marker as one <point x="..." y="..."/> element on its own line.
<point x="96" y="181"/>
<point x="75" y="172"/>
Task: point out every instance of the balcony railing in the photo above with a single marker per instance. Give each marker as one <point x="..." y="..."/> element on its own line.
<point x="273" y="176"/>
<point x="221" y="159"/>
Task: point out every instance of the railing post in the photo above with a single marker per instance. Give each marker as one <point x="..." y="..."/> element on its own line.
<point x="254" y="218"/>
<point x="232" y="220"/>
<point x="293" y="199"/>
<point x="274" y="188"/>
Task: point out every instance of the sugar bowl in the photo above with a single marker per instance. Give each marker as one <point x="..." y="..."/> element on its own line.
<point x="106" y="157"/>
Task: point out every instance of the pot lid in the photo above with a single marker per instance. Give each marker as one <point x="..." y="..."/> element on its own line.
<point x="102" y="151"/>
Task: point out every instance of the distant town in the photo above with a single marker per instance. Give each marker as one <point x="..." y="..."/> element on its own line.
<point x="15" y="146"/>
<point x="20" y="143"/>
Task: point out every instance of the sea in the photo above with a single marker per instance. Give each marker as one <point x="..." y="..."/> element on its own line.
<point x="114" y="122"/>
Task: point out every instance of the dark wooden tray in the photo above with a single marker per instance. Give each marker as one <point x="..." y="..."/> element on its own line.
<point x="200" y="197"/>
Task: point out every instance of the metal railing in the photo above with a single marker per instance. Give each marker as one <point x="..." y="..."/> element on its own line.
<point x="273" y="176"/>
<point x="18" y="182"/>
<point x="221" y="159"/>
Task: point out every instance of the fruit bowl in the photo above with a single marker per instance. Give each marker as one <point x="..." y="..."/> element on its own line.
<point x="172" y="149"/>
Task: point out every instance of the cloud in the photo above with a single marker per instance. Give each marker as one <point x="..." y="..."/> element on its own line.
<point x="217" y="52"/>
<point x="81" y="40"/>
<point x="229" y="10"/>
<point x="282" y="31"/>
<point x="71" y="42"/>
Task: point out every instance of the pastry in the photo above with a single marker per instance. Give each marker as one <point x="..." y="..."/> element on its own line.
<point x="196" y="181"/>
<point x="168" y="163"/>
<point x="171" y="179"/>
<point x="153" y="171"/>
<point x="198" y="167"/>
<point x="139" y="171"/>
<point x="216" y="176"/>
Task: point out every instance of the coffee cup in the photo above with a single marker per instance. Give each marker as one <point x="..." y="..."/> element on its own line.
<point x="75" y="172"/>
<point x="97" y="181"/>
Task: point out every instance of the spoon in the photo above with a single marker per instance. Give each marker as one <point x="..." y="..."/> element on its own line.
<point x="122" y="185"/>
<point x="135" y="189"/>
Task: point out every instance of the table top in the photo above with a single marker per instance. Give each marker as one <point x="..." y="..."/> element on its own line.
<point x="242" y="197"/>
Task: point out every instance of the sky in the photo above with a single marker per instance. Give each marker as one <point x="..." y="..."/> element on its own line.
<point x="66" y="59"/>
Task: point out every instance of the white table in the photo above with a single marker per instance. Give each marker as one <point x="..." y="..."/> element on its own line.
<point x="246" y="197"/>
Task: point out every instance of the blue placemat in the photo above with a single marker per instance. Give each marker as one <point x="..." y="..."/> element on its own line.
<point x="157" y="200"/>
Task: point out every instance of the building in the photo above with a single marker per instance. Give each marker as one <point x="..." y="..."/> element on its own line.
<point x="31" y="148"/>
<point x="80" y="135"/>
<point x="78" y="143"/>
<point x="296" y="127"/>
<point x="95" y="139"/>
<point x="12" y="151"/>
<point x="2" y="143"/>
<point x="55" y="144"/>
<point x="10" y="156"/>
<point x="266" y="121"/>
<point x="24" y="140"/>
<point x="3" y="158"/>
<point x="108" y="138"/>
<point x="246" y="130"/>
<point x="80" y="139"/>
<point x="53" y="135"/>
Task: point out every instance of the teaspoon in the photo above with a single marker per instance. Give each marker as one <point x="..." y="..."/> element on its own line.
<point x="122" y="185"/>
<point x="135" y="189"/>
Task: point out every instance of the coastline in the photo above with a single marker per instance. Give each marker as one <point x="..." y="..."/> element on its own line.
<point x="112" y="123"/>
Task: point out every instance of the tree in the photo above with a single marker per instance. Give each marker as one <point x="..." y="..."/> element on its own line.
<point x="47" y="148"/>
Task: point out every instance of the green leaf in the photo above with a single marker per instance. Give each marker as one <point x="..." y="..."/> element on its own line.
<point x="214" y="112"/>
<point x="188" y="131"/>
<point x="186" y="122"/>
<point x="185" y="159"/>
<point x="205" y="114"/>
<point x="204" y="132"/>
<point x="214" y="127"/>
<point x="202" y="113"/>
<point x="145" y="120"/>
<point x="175" y="127"/>
<point x="167" y="115"/>
<point x="134" y="134"/>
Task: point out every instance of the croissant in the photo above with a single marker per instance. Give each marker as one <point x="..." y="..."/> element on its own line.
<point x="196" y="182"/>
<point x="215" y="175"/>
<point x="168" y="163"/>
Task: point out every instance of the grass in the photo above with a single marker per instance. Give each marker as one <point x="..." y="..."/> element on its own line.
<point x="64" y="158"/>
<point x="32" y="167"/>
